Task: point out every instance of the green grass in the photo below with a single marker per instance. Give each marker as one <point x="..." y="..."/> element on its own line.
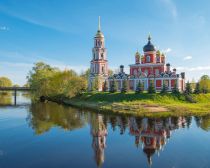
<point x="143" y="104"/>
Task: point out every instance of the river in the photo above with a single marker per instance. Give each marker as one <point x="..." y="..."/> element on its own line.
<point x="50" y="135"/>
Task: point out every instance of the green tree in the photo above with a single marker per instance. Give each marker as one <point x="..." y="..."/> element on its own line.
<point x="113" y="87"/>
<point x="139" y="88"/>
<point x="175" y="89"/>
<point x="110" y="72"/>
<point x="95" y="84"/>
<point x="197" y="88"/>
<point x="205" y="84"/>
<point x="5" y="82"/>
<point x="124" y="86"/>
<point x="51" y="82"/>
<point x="188" y="89"/>
<point x="105" y="86"/>
<point x="164" y="89"/>
<point x="151" y="88"/>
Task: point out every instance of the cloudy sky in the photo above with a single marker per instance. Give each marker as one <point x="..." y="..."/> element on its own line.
<point x="60" y="33"/>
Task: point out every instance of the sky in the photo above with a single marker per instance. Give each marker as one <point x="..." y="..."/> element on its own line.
<point x="61" y="32"/>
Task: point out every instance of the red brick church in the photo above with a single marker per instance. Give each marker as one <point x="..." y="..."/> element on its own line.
<point x="148" y="68"/>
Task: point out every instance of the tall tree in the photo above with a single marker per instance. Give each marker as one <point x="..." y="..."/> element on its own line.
<point x="5" y="82"/>
<point x="151" y="88"/>
<point x="205" y="84"/>
<point x="175" y="89"/>
<point x="188" y="89"/>
<point x="124" y="86"/>
<point x="105" y="86"/>
<point x="164" y="89"/>
<point x="113" y="87"/>
<point x="197" y="88"/>
<point x="139" y="88"/>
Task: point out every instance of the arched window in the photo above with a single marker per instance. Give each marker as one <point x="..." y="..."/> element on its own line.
<point x="102" y="56"/>
<point x="102" y="69"/>
<point x="158" y="59"/>
<point x="148" y="58"/>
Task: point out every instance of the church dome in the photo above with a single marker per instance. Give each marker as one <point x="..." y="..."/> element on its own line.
<point x="149" y="46"/>
<point x="99" y="34"/>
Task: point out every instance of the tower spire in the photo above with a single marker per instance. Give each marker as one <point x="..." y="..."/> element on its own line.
<point x="149" y="37"/>
<point x="99" y="23"/>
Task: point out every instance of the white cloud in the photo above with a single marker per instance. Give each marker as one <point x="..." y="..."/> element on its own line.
<point x="191" y="69"/>
<point x="167" y="50"/>
<point x="171" y="6"/>
<point x="187" y="58"/>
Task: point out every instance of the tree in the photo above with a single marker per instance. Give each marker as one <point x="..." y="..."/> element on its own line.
<point x="110" y="72"/>
<point x="175" y="89"/>
<point x="95" y="84"/>
<point x="124" y="86"/>
<point x="188" y="89"/>
<point x="151" y="88"/>
<point x="205" y="84"/>
<point x="50" y="82"/>
<point x="164" y="89"/>
<point x="5" y="82"/>
<point x="113" y="87"/>
<point x="197" y="88"/>
<point x="139" y="88"/>
<point x="105" y="87"/>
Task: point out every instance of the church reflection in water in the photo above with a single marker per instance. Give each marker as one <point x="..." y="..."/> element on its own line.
<point x="151" y="134"/>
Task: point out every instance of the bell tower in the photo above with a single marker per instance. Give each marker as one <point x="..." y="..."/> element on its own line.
<point x="99" y="63"/>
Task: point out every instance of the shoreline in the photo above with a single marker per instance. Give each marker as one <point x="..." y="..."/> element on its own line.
<point x="144" y="107"/>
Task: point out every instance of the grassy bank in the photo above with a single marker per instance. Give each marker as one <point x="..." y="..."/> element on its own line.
<point x="143" y="104"/>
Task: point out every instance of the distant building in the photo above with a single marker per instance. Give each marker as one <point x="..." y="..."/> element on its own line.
<point x="149" y="68"/>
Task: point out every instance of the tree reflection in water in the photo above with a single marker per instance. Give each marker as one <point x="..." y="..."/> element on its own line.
<point x="5" y="98"/>
<point x="150" y="133"/>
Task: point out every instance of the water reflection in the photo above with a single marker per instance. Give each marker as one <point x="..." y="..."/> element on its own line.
<point x="151" y="134"/>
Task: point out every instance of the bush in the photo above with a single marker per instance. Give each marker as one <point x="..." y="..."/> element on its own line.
<point x="189" y="98"/>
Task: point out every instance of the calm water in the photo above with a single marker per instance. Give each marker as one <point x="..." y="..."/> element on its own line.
<point x="50" y="135"/>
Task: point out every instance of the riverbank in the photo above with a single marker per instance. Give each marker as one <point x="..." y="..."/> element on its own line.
<point x="141" y="104"/>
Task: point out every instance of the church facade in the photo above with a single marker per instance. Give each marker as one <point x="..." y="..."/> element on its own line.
<point x="148" y="68"/>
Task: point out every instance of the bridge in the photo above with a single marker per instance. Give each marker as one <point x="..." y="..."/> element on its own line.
<point x="15" y="89"/>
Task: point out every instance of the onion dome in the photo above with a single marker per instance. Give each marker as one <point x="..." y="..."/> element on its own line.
<point x="137" y="54"/>
<point x="149" y="46"/>
<point x="158" y="52"/>
<point x="99" y="34"/>
<point x="168" y="64"/>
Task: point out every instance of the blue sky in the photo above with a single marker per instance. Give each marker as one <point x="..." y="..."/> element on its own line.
<point x="60" y="32"/>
